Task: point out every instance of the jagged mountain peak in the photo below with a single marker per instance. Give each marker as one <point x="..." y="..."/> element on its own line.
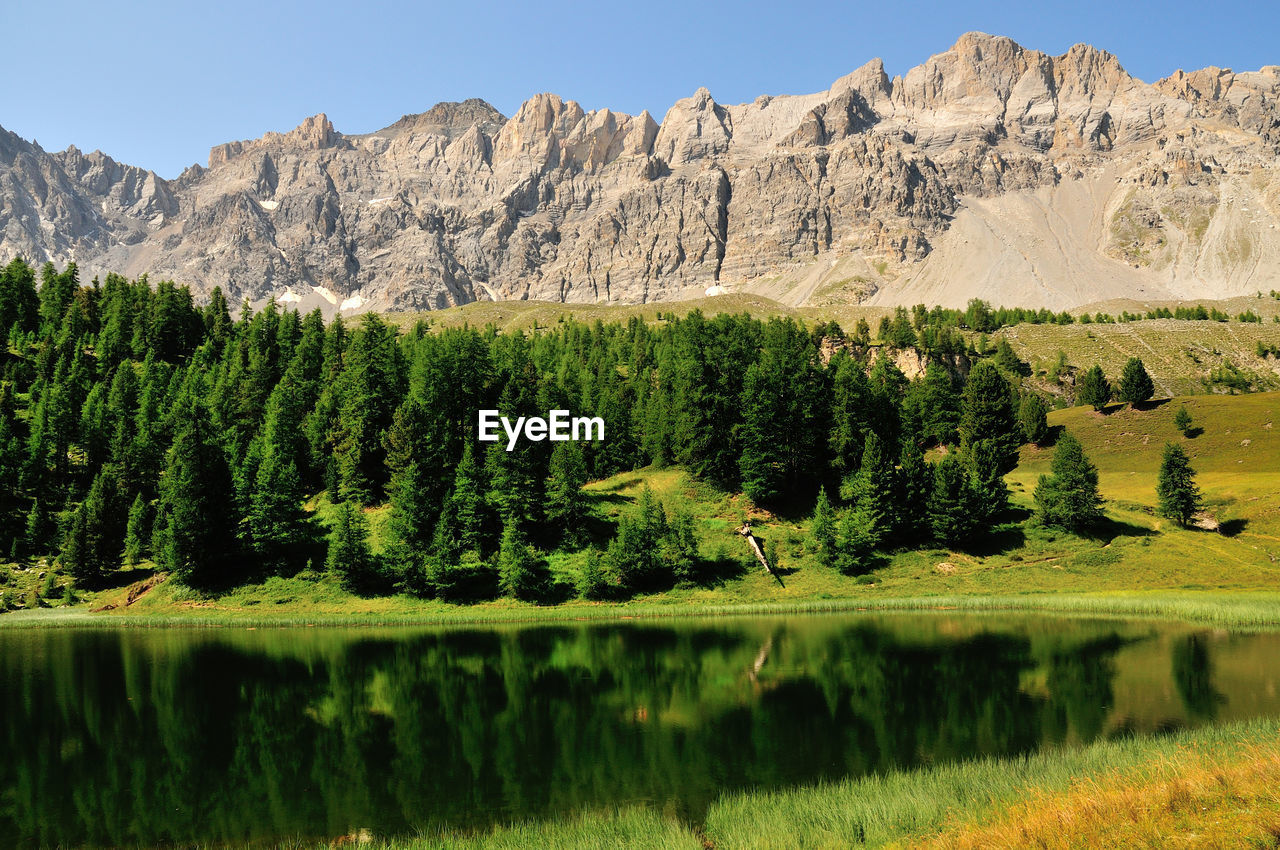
<point x="990" y="169"/>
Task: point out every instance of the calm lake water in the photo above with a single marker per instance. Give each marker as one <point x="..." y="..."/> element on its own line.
<point x="230" y="735"/>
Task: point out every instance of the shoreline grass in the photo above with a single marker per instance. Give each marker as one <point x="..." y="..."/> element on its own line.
<point x="1259" y="610"/>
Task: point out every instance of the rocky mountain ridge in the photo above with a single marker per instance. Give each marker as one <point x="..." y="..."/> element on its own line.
<point x="990" y="170"/>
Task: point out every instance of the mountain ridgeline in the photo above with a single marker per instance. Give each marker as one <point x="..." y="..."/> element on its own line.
<point x="989" y="171"/>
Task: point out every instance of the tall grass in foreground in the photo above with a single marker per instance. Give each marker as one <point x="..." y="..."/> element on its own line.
<point x="1187" y="781"/>
<point x="1208" y="805"/>
<point x="874" y="811"/>
<point x="1233" y="609"/>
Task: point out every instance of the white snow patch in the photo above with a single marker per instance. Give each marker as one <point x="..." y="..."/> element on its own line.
<point x="717" y="290"/>
<point x="269" y="205"/>
<point x="289" y="297"/>
<point x="355" y="302"/>
<point x="376" y="201"/>
<point x="325" y="294"/>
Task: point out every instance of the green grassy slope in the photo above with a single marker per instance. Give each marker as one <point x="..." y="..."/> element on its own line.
<point x="1180" y="355"/>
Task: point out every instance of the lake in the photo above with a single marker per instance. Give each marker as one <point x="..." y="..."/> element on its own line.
<point x="157" y="736"/>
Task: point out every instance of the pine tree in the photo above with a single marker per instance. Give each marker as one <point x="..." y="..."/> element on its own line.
<point x="634" y="553"/>
<point x="197" y="515"/>
<point x="416" y="455"/>
<point x="823" y="529"/>
<point x="1033" y="418"/>
<point x="1009" y="362"/>
<point x="1179" y="497"/>
<point x="1135" y="384"/>
<point x="521" y="573"/>
<point x="1093" y="388"/>
<point x="1182" y="420"/>
<point x="39" y="526"/>
<point x="137" y="536"/>
<point x="75" y="556"/>
<point x="19" y="302"/>
<point x="914" y="483"/>
<point x="987" y="413"/>
<point x="468" y="506"/>
<point x="850" y="413"/>
<point x="369" y="388"/>
<point x="349" y="557"/>
<point x="780" y="405"/>
<point x="566" y="503"/>
<point x="857" y="535"/>
<point x="104" y="523"/>
<point x="986" y="479"/>
<point x="592" y="582"/>
<point x="940" y="407"/>
<point x="516" y="489"/>
<point x="871" y="492"/>
<point x="678" y="548"/>
<point x="1068" y="497"/>
<point x="954" y="513"/>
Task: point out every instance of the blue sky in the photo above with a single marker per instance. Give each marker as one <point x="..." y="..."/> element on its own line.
<point x="156" y="84"/>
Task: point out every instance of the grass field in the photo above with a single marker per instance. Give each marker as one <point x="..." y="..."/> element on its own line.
<point x="1180" y="355"/>
<point x="1213" y="787"/>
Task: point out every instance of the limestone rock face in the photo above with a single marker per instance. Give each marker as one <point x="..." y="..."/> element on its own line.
<point x="991" y="170"/>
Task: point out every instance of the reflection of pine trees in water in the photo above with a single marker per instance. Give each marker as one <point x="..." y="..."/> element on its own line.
<point x="1080" y="694"/>
<point x="183" y="736"/>
<point x="1193" y="676"/>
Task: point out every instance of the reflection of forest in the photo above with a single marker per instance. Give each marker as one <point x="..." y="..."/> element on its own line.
<point x="112" y="738"/>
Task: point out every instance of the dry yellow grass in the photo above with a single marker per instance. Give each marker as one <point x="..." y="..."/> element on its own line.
<point x="1199" y="801"/>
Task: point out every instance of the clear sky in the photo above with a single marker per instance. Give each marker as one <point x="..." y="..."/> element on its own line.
<point x="156" y="84"/>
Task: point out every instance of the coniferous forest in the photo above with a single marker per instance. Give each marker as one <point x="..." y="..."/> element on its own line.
<point x="138" y="426"/>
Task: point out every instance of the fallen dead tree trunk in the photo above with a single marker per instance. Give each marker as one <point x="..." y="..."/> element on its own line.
<point x="757" y="549"/>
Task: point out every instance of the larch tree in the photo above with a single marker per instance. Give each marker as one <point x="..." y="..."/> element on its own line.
<point x="1176" y="489"/>
<point x="1068" y="497"/>
<point x="1135" y="384"/>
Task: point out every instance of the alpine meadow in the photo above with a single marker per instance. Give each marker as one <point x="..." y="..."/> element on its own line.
<point x="887" y="466"/>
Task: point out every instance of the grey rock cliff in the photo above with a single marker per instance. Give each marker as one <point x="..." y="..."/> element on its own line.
<point x="990" y="170"/>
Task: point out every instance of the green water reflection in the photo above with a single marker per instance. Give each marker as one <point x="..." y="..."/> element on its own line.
<point x="170" y="736"/>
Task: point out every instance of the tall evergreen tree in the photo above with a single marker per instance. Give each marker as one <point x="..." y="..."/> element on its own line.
<point x="1068" y="497"/>
<point x="567" y="508"/>
<point x="417" y="457"/>
<point x="954" y="513"/>
<point x="823" y="529"/>
<point x="137" y="537"/>
<point x="1179" y="497"/>
<point x="197" y="516"/>
<point x="370" y="386"/>
<point x="987" y="413"/>
<point x="871" y="492"/>
<point x="104" y="523"/>
<point x="1093" y="388"/>
<point x="1033" y="418"/>
<point x="349" y="557"/>
<point x="76" y="557"/>
<point x="914" y="483"/>
<point x="19" y="303"/>
<point x="1135" y="384"/>
<point x="521" y="573"/>
<point x="468" y="505"/>
<point x="592" y="582"/>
